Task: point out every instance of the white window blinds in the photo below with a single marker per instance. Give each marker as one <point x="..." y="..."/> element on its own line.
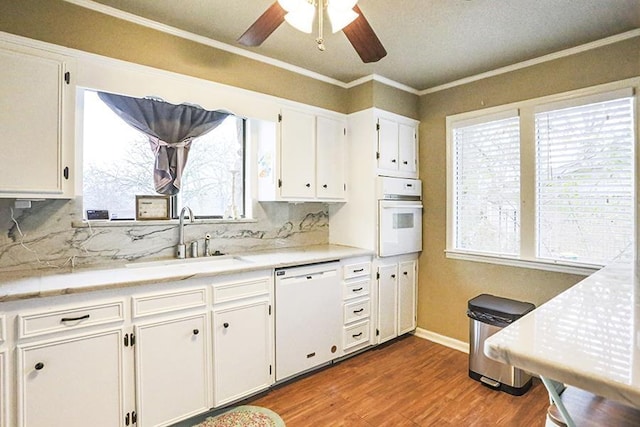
<point x="486" y="179"/>
<point x="585" y="182"/>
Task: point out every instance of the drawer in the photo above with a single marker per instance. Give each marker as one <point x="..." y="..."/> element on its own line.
<point x="357" y="270"/>
<point x="35" y="324"/>
<point x="164" y="302"/>
<point x="357" y="310"/>
<point x="356" y="334"/>
<point x="242" y="289"/>
<point x="356" y="289"/>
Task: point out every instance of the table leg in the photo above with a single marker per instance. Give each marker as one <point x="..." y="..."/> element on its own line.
<point x="555" y="389"/>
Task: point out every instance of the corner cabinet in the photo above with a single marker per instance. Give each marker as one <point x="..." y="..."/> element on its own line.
<point x="306" y="162"/>
<point x="37" y="105"/>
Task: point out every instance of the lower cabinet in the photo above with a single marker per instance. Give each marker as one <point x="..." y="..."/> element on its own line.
<point x="75" y="381"/>
<point x="172" y="369"/>
<point x="242" y="350"/>
<point x="396" y="313"/>
<point x="3" y="390"/>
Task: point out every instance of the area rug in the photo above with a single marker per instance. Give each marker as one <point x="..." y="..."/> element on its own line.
<point x="244" y="416"/>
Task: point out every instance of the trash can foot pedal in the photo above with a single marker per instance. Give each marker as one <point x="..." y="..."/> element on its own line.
<point x="491" y="383"/>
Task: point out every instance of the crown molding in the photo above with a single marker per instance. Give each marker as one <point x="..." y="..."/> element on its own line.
<point x="535" y="61"/>
<point x="383" y="80"/>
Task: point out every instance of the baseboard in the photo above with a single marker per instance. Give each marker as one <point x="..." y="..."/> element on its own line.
<point x="443" y="340"/>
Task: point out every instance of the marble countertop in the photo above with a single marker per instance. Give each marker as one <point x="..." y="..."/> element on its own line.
<point x="84" y="280"/>
<point x="587" y="337"/>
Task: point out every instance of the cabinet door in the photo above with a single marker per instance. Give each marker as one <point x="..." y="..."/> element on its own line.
<point x="72" y="382"/>
<point x="406" y="297"/>
<point x="32" y="104"/>
<point x="330" y="158"/>
<point x="3" y="391"/>
<point x="172" y="370"/>
<point x="242" y="351"/>
<point x="297" y="154"/>
<point x="387" y="302"/>
<point x="387" y="145"/>
<point x="407" y="148"/>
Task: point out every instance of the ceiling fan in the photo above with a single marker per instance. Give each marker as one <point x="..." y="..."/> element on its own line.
<point x="344" y="15"/>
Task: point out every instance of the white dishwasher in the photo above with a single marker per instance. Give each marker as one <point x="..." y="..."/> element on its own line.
<point x="308" y="309"/>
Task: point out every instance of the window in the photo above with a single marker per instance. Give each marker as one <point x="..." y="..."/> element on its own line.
<point x="550" y="185"/>
<point x="487" y="185"/>
<point x="118" y="165"/>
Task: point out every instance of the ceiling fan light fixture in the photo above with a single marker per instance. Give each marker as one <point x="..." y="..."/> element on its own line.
<point x="302" y="17"/>
<point x="340" y="18"/>
<point x="291" y="5"/>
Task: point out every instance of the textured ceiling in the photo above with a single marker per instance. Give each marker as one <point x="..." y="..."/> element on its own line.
<point x="429" y="42"/>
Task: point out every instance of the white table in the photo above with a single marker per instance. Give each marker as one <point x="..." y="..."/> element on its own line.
<point x="587" y="337"/>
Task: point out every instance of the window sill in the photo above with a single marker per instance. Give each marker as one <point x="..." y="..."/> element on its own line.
<point x="134" y="223"/>
<point x="556" y="266"/>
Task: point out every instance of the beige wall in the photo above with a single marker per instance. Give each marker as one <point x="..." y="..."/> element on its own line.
<point x="376" y="94"/>
<point x="445" y="285"/>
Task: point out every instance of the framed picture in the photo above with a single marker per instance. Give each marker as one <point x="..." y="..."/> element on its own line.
<point x="153" y="207"/>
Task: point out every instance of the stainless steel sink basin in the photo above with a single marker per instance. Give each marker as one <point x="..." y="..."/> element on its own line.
<point x="216" y="262"/>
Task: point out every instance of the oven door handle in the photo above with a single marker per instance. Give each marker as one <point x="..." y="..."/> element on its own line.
<point x="402" y="207"/>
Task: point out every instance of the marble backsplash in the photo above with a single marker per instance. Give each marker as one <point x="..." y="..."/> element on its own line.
<point x="42" y="240"/>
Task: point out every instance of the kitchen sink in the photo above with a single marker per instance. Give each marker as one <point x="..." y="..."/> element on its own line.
<point x="220" y="261"/>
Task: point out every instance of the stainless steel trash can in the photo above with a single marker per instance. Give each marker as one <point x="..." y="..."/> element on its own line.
<point x="487" y="315"/>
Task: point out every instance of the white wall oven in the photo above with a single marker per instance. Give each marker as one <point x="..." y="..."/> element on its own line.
<point x="399" y="216"/>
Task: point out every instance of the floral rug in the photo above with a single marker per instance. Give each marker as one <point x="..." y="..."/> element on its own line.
<point x="244" y="416"/>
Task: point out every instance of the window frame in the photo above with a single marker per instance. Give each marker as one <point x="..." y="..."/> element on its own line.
<point x="528" y="194"/>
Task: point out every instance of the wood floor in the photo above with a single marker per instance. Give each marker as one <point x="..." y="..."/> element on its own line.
<point x="410" y="382"/>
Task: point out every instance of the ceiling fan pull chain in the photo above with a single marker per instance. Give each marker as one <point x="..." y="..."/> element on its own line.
<point x="320" y="40"/>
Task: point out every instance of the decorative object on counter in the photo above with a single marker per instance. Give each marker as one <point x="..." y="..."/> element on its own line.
<point x="152" y="207"/>
<point x="244" y="416"/>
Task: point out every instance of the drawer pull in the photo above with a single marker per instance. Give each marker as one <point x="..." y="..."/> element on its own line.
<point x="39" y="366"/>
<point x="310" y="355"/>
<point x="356" y="289"/>
<point x="357" y="335"/>
<point x="75" y="319"/>
<point x="196" y="332"/>
<point x="359" y="270"/>
<point x="358" y="311"/>
<point x="225" y="324"/>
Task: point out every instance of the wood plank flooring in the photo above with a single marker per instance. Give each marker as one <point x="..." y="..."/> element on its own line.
<point x="410" y="382"/>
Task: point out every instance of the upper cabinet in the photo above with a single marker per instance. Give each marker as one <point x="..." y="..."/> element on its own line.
<point x="397" y="153"/>
<point x="306" y="162"/>
<point x="37" y="105"/>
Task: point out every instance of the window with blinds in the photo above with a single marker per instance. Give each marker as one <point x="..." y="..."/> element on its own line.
<point x="486" y="162"/>
<point x="585" y="180"/>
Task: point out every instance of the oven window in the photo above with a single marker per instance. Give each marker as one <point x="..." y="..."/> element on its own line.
<point x="402" y="220"/>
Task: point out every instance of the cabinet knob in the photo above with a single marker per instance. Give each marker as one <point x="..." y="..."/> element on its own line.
<point x="225" y="324"/>
<point x="324" y="186"/>
<point x="308" y="185"/>
<point x="39" y="366"/>
<point x="393" y="276"/>
<point x="393" y="160"/>
<point x="196" y="332"/>
<point x="405" y="273"/>
<point x="405" y="162"/>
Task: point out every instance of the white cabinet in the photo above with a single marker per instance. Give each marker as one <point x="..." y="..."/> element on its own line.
<point x="356" y="283"/>
<point x="3" y="389"/>
<point x="306" y="162"/>
<point x="297" y="153"/>
<point x="330" y="159"/>
<point x="397" y="146"/>
<point x="396" y="309"/>
<point x="172" y="369"/>
<point x="66" y="382"/>
<point x="242" y="337"/>
<point x="37" y="105"/>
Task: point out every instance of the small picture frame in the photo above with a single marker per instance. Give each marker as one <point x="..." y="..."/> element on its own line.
<point x="152" y="207"/>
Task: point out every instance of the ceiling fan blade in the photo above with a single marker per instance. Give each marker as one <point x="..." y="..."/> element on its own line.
<point x="364" y="39"/>
<point x="264" y="26"/>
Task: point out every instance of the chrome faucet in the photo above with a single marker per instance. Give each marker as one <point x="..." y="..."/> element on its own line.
<point x="181" y="249"/>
